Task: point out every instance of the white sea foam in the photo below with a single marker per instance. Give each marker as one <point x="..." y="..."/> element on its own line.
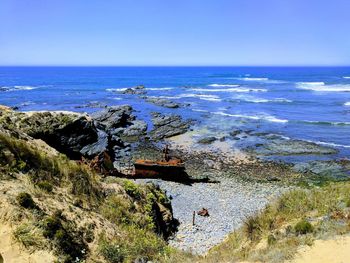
<point x="241" y="90"/>
<point x="253" y="117"/>
<point x="347" y="104"/>
<point x="331" y="144"/>
<point x="333" y="123"/>
<point x="192" y="95"/>
<point x="18" y="88"/>
<point x="322" y="87"/>
<point x="255" y="79"/>
<point x="346" y="77"/>
<point x="199" y="110"/>
<point x="116" y="98"/>
<point x="262" y="100"/>
<point x="224" y="85"/>
<point x="114" y="90"/>
<point x="166" y="88"/>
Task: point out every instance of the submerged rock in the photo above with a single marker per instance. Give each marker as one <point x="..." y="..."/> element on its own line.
<point x="163" y="102"/>
<point x="166" y="126"/>
<point x="326" y="169"/>
<point x="207" y="140"/>
<point x="292" y="147"/>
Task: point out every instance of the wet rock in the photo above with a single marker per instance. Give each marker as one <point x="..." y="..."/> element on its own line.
<point x="163" y="102"/>
<point x="166" y="126"/>
<point x="207" y="140"/>
<point x="93" y="104"/>
<point x="326" y="169"/>
<point x="138" y="90"/>
<point x="137" y="128"/>
<point x="292" y="147"/>
<point x="98" y="147"/>
<point x="114" y="117"/>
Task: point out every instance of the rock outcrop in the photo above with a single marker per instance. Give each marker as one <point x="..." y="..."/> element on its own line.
<point x="166" y="126"/>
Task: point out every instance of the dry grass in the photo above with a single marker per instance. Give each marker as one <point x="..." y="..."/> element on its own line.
<point x="295" y="219"/>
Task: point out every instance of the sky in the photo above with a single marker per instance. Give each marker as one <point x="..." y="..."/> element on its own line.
<point x="175" y="33"/>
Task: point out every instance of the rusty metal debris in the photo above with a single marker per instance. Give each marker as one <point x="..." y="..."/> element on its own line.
<point x="203" y="212"/>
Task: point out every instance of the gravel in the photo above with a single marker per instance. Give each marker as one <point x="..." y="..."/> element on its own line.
<point x="229" y="203"/>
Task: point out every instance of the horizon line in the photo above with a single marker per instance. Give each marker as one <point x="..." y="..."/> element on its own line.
<point x="149" y="66"/>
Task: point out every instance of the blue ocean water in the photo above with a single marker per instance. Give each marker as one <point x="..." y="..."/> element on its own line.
<point x="302" y="103"/>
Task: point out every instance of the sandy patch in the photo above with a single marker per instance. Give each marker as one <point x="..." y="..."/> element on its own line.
<point x="325" y="251"/>
<point x="13" y="252"/>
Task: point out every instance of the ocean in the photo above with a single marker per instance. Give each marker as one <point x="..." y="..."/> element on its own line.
<point x="308" y="103"/>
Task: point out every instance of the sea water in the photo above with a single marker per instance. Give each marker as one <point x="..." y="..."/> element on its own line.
<point x="309" y="103"/>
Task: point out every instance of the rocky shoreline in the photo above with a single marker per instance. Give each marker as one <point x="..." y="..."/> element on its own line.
<point x="244" y="184"/>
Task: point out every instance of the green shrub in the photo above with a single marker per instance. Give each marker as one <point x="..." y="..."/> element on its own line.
<point x="271" y="240"/>
<point x="252" y="228"/>
<point x="132" y="189"/>
<point x="303" y="227"/>
<point x="46" y="186"/>
<point x="29" y="236"/>
<point x="25" y="200"/>
<point x="112" y="252"/>
<point x="118" y="210"/>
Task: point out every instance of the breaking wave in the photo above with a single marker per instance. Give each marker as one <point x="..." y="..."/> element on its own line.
<point x="262" y="100"/>
<point x="254" y="79"/>
<point x="252" y="117"/>
<point x="242" y="90"/>
<point x="159" y="88"/>
<point x="331" y="144"/>
<point x="17" y="88"/>
<point x="321" y="86"/>
<point x="114" y="90"/>
<point x="330" y="123"/>
<point x="224" y="85"/>
<point x="346" y="77"/>
<point x="347" y="104"/>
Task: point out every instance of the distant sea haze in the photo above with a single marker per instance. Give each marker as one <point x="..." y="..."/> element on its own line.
<point x="304" y="103"/>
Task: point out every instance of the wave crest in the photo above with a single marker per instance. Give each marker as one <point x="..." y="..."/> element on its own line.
<point x="322" y="87"/>
<point x="253" y="117"/>
<point x="242" y="90"/>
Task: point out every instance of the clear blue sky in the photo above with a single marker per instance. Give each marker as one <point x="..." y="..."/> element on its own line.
<point x="181" y="32"/>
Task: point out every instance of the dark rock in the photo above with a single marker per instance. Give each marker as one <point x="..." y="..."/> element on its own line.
<point x="326" y="169"/>
<point x="114" y="117"/>
<point x="166" y="126"/>
<point x="207" y="140"/>
<point x="67" y="133"/>
<point x="163" y="102"/>
<point x="98" y="147"/>
<point x="138" y="90"/>
<point x="279" y="146"/>
<point x="137" y="128"/>
<point x="235" y="133"/>
<point x="93" y="104"/>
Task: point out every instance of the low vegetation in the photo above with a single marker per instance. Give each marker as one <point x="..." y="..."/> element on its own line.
<point x="297" y="218"/>
<point x="124" y="222"/>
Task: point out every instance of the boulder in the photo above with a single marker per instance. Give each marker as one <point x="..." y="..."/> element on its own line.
<point x="207" y="140"/>
<point x="66" y="132"/>
<point x="136" y="129"/>
<point x="98" y="147"/>
<point x="163" y="102"/>
<point x="138" y="90"/>
<point x="114" y="117"/>
<point x="166" y="126"/>
<point x="278" y="146"/>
